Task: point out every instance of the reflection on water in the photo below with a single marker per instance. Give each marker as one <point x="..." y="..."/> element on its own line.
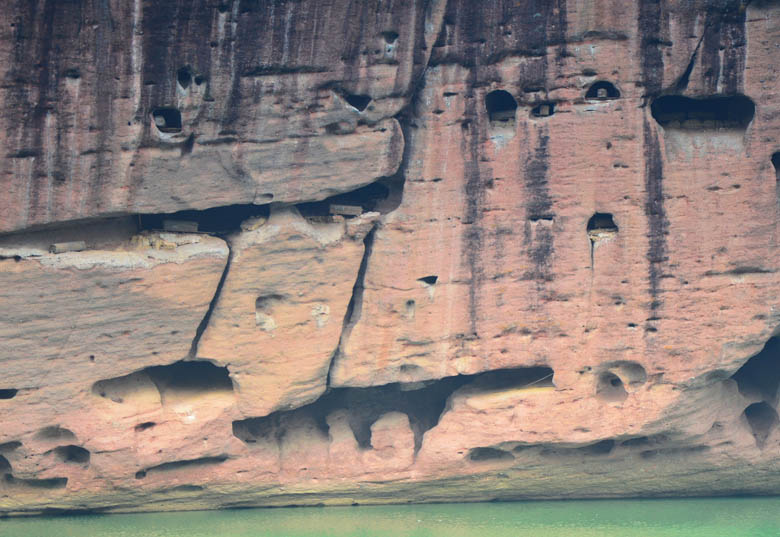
<point x="723" y="517"/>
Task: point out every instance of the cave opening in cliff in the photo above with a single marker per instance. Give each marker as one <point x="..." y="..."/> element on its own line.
<point x="776" y="164"/>
<point x="8" y="393"/>
<point x="217" y="220"/>
<point x="501" y="106"/>
<point x="167" y="119"/>
<point x="376" y="196"/>
<point x="489" y="454"/>
<point x="184" y="77"/>
<point x="762" y="419"/>
<point x="545" y="109"/>
<point x="359" y="102"/>
<point x="55" y="432"/>
<point x="759" y="377"/>
<point x="707" y="113"/>
<point x="602" y="91"/>
<point x="184" y="380"/>
<point x="72" y="454"/>
<point x="601" y="222"/>
<point x="610" y="388"/>
<point x="5" y="466"/>
<point x="423" y="402"/>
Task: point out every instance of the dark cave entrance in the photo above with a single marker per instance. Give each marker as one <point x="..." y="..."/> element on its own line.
<point x="167" y="119"/>
<point x="715" y="112"/>
<point x="602" y="91"/>
<point x="501" y="106"/>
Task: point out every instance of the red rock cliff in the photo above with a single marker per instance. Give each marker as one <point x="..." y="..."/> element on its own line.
<point x="304" y="252"/>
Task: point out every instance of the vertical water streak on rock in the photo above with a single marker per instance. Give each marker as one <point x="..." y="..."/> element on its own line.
<point x="44" y="31"/>
<point x="473" y="188"/>
<point x="650" y="56"/>
<point x="538" y="209"/>
<point x="651" y="15"/>
<point x="104" y="62"/>
<point x="723" y="49"/>
<point x="656" y="214"/>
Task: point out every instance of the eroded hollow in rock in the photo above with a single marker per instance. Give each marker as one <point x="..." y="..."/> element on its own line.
<point x="601" y="226"/>
<point x="715" y="112"/>
<point x="381" y="196"/>
<point x="184" y="77"/>
<point x="610" y="388"/>
<point x="545" y="109"/>
<point x="359" y="102"/>
<point x="776" y="164"/>
<point x="152" y="385"/>
<point x="51" y="483"/>
<point x="54" y="433"/>
<point x="217" y="220"/>
<point x="759" y="378"/>
<point x="762" y="419"/>
<point x="72" y="454"/>
<point x="8" y="393"/>
<point x="167" y="119"/>
<point x="501" y="106"/>
<point x="602" y="91"/>
<point x="177" y="465"/>
<point x="489" y="454"/>
<point x="423" y="403"/>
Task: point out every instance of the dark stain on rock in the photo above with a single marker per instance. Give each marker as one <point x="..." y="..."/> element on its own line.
<point x="723" y="48"/>
<point x="651" y="16"/>
<point x="655" y="212"/>
<point x="539" y="215"/>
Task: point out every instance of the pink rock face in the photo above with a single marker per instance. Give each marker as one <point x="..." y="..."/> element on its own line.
<point x="285" y="295"/>
<point x="445" y="251"/>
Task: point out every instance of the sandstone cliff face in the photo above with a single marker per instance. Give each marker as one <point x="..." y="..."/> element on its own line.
<point x="272" y="253"/>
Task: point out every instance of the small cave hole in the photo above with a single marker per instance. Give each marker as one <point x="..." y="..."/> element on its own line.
<point x="72" y="73"/>
<point x="483" y="454"/>
<point x="428" y="280"/>
<point x="776" y="164"/>
<point x="359" y="102"/>
<point x="140" y="474"/>
<point x="144" y="426"/>
<point x="602" y="91"/>
<point x="610" y="388"/>
<point x="55" y="432"/>
<point x="759" y="377"/>
<point x="543" y="110"/>
<point x="501" y="106"/>
<point x="184" y="77"/>
<point x="167" y="119"/>
<point x="603" y="447"/>
<point x="199" y="80"/>
<point x="762" y="418"/>
<point x="715" y="112"/>
<point x="600" y="226"/>
<point x="409" y="309"/>
<point x="72" y="454"/>
<point x="8" y="393"/>
<point x="390" y="37"/>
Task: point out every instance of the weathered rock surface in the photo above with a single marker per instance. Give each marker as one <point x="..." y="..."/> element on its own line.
<point x="448" y="250"/>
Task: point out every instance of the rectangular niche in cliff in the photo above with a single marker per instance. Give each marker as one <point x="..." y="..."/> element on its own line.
<point x="167" y="119"/>
<point x="501" y="107"/>
<point x="733" y="112"/>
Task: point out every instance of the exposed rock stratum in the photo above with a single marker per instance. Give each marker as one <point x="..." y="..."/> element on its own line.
<point x="333" y="252"/>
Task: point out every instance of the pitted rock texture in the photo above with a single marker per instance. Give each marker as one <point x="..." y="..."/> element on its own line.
<point x="304" y="252"/>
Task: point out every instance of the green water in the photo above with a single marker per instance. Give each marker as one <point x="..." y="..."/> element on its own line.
<point x="728" y="517"/>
